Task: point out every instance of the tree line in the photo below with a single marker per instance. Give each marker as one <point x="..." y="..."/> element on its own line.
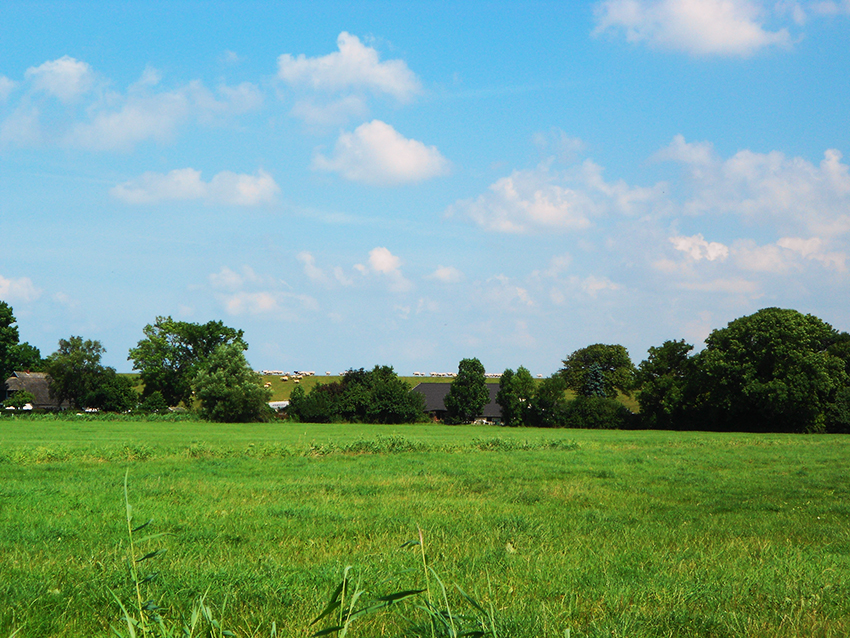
<point x="776" y="370"/>
<point x="178" y="362"/>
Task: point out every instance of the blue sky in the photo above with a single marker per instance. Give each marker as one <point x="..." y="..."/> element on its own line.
<point x="414" y="183"/>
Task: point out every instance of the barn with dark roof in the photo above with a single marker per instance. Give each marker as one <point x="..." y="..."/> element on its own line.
<point x="435" y="395"/>
<point x="38" y="385"/>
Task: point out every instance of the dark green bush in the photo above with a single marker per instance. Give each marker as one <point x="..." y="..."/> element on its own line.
<point x="374" y="396"/>
<point x="154" y="403"/>
<point x="838" y="413"/>
<point x="597" y="413"/>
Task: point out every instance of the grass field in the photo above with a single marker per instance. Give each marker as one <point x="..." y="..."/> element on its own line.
<point x="565" y="532"/>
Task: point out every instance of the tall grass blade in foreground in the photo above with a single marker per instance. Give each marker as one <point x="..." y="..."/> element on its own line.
<point x="146" y="619"/>
<point x="441" y="620"/>
<point x="349" y="612"/>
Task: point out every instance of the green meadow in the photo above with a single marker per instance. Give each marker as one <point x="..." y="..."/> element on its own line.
<point x="560" y="532"/>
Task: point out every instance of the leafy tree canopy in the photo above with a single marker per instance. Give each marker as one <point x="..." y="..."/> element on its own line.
<point x="110" y="392"/>
<point x="77" y="376"/>
<point x="392" y="400"/>
<point x="840" y="348"/>
<point x="468" y="394"/>
<point x="663" y="379"/>
<point x="774" y="370"/>
<point x="13" y="354"/>
<point x="171" y="353"/>
<point x="516" y="393"/>
<point x="19" y="399"/>
<point x="154" y="403"/>
<point x="614" y="363"/>
<point x="373" y="396"/>
<point x="8" y="337"/>
<point x="549" y="404"/>
<point x="228" y="389"/>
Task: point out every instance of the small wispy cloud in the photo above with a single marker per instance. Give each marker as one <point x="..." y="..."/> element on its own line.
<point x="186" y="184"/>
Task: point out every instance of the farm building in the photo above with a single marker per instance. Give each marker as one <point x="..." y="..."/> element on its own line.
<point x="435" y="394"/>
<point x="278" y="406"/>
<point x="37" y="384"/>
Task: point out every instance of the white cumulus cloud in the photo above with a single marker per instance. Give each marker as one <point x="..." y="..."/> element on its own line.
<point x="150" y="188"/>
<point x="383" y="262"/>
<point x="543" y="200"/>
<point x="446" y="275"/>
<point x="567" y="290"/>
<point x="313" y="272"/>
<point x="814" y="248"/>
<point x="144" y="114"/>
<point x="20" y="289"/>
<point x="769" y="258"/>
<point x="319" y="275"/>
<point x="698" y="27"/>
<point x="789" y="193"/>
<point x="522" y="201"/>
<point x="186" y="184"/>
<point x="65" y="78"/>
<point x="593" y="285"/>
<point x="139" y="118"/>
<point x="375" y="153"/>
<point x="110" y="120"/>
<point x="353" y="66"/>
<point x="240" y="189"/>
<point x="227" y="279"/>
<point x="232" y="100"/>
<point x="245" y="292"/>
<point x="698" y="248"/>
<point x="254" y="303"/>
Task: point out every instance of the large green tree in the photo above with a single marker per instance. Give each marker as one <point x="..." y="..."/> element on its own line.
<point x="776" y="370"/>
<point x="229" y="391"/>
<point x="582" y="369"/>
<point x="663" y="380"/>
<point x="77" y="376"/>
<point x="111" y="392"/>
<point x="468" y="393"/>
<point x="74" y="369"/>
<point x="391" y="399"/>
<point x="8" y="339"/>
<point x="14" y="355"/>
<point x="516" y="393"/>
<point x="171" y="353"/>
<point x="549" y="404"/>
